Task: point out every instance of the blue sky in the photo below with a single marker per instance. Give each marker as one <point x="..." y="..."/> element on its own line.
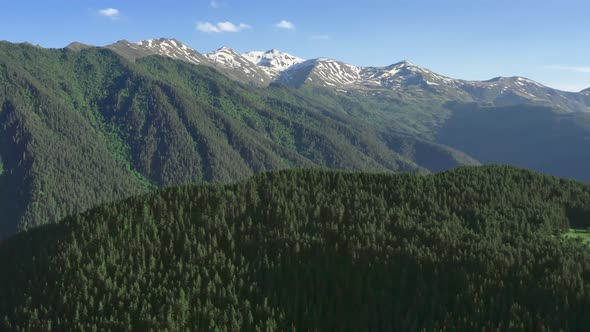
<point x="545" y="40"/>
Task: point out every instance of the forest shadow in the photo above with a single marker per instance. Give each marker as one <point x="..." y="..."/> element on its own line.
<point x="535" y="137"/>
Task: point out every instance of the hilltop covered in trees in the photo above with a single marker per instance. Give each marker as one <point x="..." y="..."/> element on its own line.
<point x="469" y="249"/>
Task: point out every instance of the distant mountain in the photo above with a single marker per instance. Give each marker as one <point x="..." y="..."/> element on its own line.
<point x="322" y="71"/>
<point x="328" y="72"/>
<point x="506" y="91"/>
<point x="585" y="91"/>
<point x="402" y="74"/>
<point x="406" y="77"/>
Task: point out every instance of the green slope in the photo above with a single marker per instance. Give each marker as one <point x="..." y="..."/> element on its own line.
<point x="543" y="138"/>
<point x="79" y="128"/>
<point x="470" y="249"/>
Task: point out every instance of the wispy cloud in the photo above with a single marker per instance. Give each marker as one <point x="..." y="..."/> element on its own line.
<point x="284" y="24"/>
<point x="319" y="37"/>
<point x="109" y="12"/>
<point x="577" y="69"/>
<point x="221" y="27"/>
<point x="215" y="4"/>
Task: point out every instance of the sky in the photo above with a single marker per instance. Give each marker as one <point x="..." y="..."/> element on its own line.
<point x="544" y="40"/>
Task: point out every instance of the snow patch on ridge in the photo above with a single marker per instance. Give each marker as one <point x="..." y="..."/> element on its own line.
<point x="273" y="62"/>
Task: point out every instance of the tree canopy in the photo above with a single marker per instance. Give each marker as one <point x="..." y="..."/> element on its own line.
<point x="469" y="249"/>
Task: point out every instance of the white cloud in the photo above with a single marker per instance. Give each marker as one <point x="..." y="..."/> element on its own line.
<point x="207" y="27"/>
<point x="230" y="27"/>
<point x="221" y="27"/>
<point x="284" y="24"/>
<point x="577" y="69"/>
<point x="320" y="37"/>
<point x="110" y="12"/>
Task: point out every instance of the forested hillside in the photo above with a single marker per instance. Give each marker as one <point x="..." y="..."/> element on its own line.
<point x="84" y="126"/>
<point x="476" y="248"/>
<point x="80" y="128"/>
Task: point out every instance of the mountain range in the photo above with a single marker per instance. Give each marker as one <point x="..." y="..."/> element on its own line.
<point x="273" y="66"/>
<point x="85" y="125"/>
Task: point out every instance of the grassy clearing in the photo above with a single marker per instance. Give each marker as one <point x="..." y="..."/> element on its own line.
<point x="583" y="234"/>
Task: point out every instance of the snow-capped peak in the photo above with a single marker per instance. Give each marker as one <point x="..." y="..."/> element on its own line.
<point x="162" y="44"/>
<point x="225" y="57"/>
<point x="272" y="61"/>
<point x="408" y="66"/>
<point x="405" y="63"/>
<point x="514" y="80"/>
<point x="168" y="47"/>
<point x="238" y="66"/>
<point x="224" y="49"/>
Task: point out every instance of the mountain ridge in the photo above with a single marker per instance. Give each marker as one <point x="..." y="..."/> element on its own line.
<point x="168" y="47"/>
<point x="262" y="68"/>
<point x="253" y="54"/>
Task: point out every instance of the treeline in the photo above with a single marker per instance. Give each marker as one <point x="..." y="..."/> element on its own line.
<point x="470" y="249"/>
